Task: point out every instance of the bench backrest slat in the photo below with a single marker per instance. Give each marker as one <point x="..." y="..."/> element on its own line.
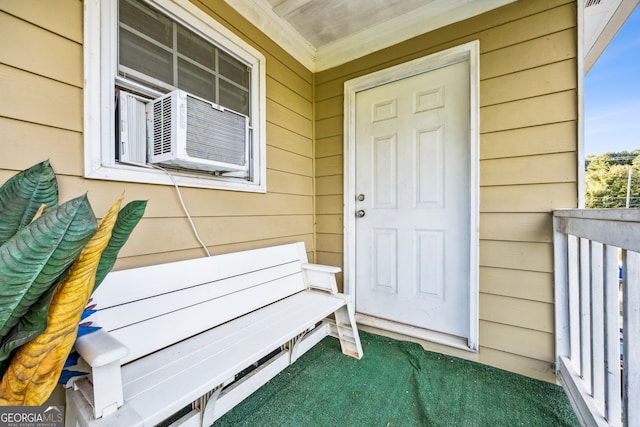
<point x="124" y="286"/>
<point x="149" y="308"/>
<point x="120" y="316"/>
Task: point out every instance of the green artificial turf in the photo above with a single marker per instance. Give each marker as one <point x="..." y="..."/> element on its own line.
<point x="398" y="384"/>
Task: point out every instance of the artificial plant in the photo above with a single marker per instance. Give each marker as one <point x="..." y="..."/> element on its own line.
<point x="52" y="257"/>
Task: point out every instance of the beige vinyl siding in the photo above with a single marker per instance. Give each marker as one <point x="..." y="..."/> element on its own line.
<point x="528" y="285"/>
<point x="553" y="137"/>
<point x="528" y="166"/>
<point x="528" y="153"/>
<point x="58" y="16"/>
<point x="41" y="83"/>
<point x="42" y="118"/>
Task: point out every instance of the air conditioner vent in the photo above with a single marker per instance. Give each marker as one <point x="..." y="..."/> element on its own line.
<point x="189" y="132"/>
<point x="162" y="113"/>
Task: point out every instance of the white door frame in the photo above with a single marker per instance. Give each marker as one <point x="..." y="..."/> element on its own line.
<point x="467" y="52"/>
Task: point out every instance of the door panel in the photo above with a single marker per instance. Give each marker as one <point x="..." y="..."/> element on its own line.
<point x="412" y="165"/>
<point x="385" y="185"/>
<point x="385" y="248"/>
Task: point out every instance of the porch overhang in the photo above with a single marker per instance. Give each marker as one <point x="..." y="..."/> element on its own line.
<point x="602" y="20"/>
<point x="360" y="29"/>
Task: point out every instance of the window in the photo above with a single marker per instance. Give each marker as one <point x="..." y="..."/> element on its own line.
<point x="148" y="48"/>
<point x="157" y="51"/>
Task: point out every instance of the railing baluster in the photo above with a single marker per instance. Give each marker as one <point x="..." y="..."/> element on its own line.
<point x="597" y="326"/>
<point x="631" y="330"/>
<point x="612" y="334"/>
<point x="585" y="314"/>
<point x="574" y="301"/>
<point x="562" y="296"/>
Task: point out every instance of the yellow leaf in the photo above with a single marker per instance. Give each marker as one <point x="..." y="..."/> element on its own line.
<point x="39" y="212"/>
<point x="36" y="366"/>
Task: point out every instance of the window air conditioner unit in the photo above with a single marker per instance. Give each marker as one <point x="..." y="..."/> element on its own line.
<point x="188" y="132"/>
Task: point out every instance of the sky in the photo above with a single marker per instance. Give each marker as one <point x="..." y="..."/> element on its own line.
<point x="612" y="94"/>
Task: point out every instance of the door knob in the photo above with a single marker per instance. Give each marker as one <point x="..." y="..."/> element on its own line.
<point x="360" y="213"/>
<point x="360" y="197"/>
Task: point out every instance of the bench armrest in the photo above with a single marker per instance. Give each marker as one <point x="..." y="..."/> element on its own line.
<point x="322" y="277"/>
<point x="103" y="353"/>
<point x="100" y="348"/>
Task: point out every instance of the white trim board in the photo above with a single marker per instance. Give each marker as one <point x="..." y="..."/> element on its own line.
<point x="412" y="331"/>
<point x="434" y="15"/>
<point x="467" y="52"/>
<point x="100" y="74"/>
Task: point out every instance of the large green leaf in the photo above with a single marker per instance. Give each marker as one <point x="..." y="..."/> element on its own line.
<point x="23" y="194"/>
<point x="29" y="326"/>
<point x="34" y="370"/>
<point x="128" y="218"/>
<point x="33" y="259"/>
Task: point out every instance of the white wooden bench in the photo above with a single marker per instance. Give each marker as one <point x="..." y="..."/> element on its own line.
<point x="178" y="335"/>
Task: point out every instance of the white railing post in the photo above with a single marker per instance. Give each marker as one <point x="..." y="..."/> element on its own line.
<point x="586" y="247"/>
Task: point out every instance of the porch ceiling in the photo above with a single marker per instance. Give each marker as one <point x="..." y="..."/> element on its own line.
<point x="325" y="33"/>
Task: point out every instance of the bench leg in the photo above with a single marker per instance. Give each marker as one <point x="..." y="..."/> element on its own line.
<point x="206" y="405"/>
<point x="306" y="341"/>
<point x="222" y="401"/>
<point x="347" y="331"/>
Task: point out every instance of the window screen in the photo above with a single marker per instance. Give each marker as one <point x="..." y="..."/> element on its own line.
<point x="160" y="52"/>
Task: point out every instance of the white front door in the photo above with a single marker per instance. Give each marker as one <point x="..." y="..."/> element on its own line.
<point x="412" y="188"/>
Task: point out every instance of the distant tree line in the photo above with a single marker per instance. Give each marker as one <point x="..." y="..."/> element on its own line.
<point x="607" y="177"/>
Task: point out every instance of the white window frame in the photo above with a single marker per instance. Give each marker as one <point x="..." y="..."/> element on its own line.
<point x="101" y="73"/>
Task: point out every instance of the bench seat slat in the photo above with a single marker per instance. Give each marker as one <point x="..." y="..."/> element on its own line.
<point x="181" y="370"/>
<point x="231" y="334"/>
<point x="159" y="332"/>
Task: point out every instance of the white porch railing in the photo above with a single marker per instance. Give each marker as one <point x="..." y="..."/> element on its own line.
<point x="597" y="353"/>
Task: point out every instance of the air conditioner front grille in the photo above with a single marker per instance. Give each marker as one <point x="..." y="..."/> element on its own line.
<point x="188" y="132"/>
<point x="215" y="134"/>
<point x="162" y="126"/>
